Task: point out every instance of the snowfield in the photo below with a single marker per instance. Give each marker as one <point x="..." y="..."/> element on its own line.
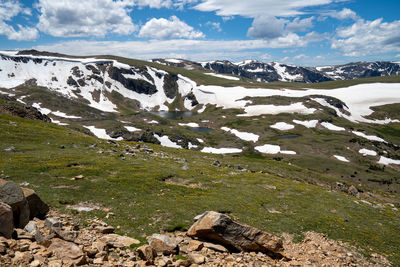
<point x="190" y="124"/>
<point x="367" y="152"/>
<point x="369" y="137"/>
<point x="308" y="124"/>
<point x="386" y="161"/>
<point x="332" y="127"/>
<point x="101" y="133"/>
<point x="223" y="76"/>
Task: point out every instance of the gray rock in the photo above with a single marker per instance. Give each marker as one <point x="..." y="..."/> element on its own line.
<point x="353" y="191"/>
<point x="37" y="208"/>
<point x="219" y="228"/>
<point x="6" y="220"/>
<point x="67" y="251"/>
<point x="51" y="223"/>
<point x="33" y="229"/>
<point x="12" y="194"/>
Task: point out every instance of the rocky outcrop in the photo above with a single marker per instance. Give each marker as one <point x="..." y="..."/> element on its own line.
<point x="12" y="194"/>
<point x="171" y="85"/>
<point x="219" y="228"/>
<point x="10" y="106"/>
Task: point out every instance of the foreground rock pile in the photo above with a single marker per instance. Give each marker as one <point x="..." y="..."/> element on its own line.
<point x="214" y="239"/>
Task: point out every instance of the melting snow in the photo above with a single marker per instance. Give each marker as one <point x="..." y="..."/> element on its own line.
<point x="308" y="124"/>
<point x="190" y="145"/>
<point x="165" y="141"/>
<point x="58" y="122"/>
<point x="153" y="122"/>
<point x="341" y="158"/>
<point x="221" y="150"/>
<point x="367" y="152"/>
<point x="273" y="149"/>
<point x="332" y="127"/>
<point x="257" y="110"/>
<point x="386" y="161"/>
<point x="173" y="60"/>
<point x="369" y="137"/>
<point x="44" y="111"/>
<point x="223" y="76"/>
<point x="283" y="126"/>
<point x="63" y="115"/>
<point x="132" y="129"/>
<point x="200" y="140"/>
<point x="190" y="124"/>
<point x="101" y="133"/>
<point x="242" y="135"/>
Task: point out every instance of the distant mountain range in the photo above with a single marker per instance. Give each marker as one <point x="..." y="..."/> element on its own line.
<point x="273" y="71"/>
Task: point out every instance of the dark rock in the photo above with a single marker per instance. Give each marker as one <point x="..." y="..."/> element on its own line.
<point x="12" y="107"/>
<point x="219" y="228"/>
<point x="139" y="86"/>
<point x="6" y="220"/>
<point x="37" y="207"/>
<point x="12" y="194"/>
<point x="171" y="85"/>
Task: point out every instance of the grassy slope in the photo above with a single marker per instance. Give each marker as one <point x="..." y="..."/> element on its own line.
<point x="136" y="188"/>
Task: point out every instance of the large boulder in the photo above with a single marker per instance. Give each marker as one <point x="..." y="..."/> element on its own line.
<point x="37" y="208"/>
<point x="6" y="220"/>
<point x="67" y="251"/>
<point x="12" y="194"/>
<point x="118" y="241"/>
<point x="219" y="228"/>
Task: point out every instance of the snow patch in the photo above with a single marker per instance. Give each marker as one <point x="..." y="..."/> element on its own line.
<point x="132" y="129"/>
<point x="332" y="127"/>
<point x="283" y="126"/>
<point x="257" y="110"/>
<point x="386" y="161"/>
<point x="242" y="135"/>
<point x="223" y="76"/>
<point x="369" y="137"/>
<point x="221" y="150"/>
<point x="44" y="111"/>
<point x="308" y="124"/>
<point x="165" y="141"/>
<point x="273" y="149"/>
<point x="367" y="152"/>
<point x="190" y="124"/>
<point x="101" y="133"/>
<point x="341" y="158"/>
<point x="63" y="115"/>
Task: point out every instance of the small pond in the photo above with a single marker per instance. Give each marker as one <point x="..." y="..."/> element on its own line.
<point x="201" y="129"/>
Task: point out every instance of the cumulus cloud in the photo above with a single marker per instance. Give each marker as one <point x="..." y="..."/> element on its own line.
<point x="76" y="18"/>
<point x="154" y="3"/>
<point x="9" y="10"/>
<point x="266" y="27"/>
<point x="168" y="29"/>
<point x="300" y="25"/>
<point x="345" y="13"/>
<point x="368" y="37"/>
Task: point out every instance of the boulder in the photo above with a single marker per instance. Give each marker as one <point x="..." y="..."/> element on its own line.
<point x="118" y="241"/>
<point x="37" y="207"/>
<point x="164" y="244"/>
<point x="67" y="251"/>
<point x="353" y="191"/>
<point x="6" y="220"/>
<point x="219" y="228"/>
<point x="147" y="253"/>
<point x="33" y="229"/>
<point x="12" y="194"/>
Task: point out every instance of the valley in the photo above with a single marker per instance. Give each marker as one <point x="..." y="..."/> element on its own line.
<point x="171" y="141"/>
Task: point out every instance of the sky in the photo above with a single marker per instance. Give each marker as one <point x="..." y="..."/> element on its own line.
<point x="301" y="32"/>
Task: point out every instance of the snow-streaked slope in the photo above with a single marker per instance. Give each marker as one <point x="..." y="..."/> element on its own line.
<point x="223" y="76"/>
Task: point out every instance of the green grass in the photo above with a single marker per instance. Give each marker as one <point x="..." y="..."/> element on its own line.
<point x="151" y="192"/>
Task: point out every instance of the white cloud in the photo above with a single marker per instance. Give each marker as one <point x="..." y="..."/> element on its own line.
<point x="77" y="18"/>
<point x="301" y="56"/>
<point x="154" y="3"/>
<point x="214" y="25"/>
<point x="9" y="10"/>
<point x="266" y="27"/>
<point x="368" y="38"/>
<point x="300" y="25"/>
<point x="255" y="8"/>
<point x="168" y="29"/>
<point x="345" y="13"/>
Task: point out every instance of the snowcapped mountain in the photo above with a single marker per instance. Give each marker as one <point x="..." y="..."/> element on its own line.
<point x="274" y="71"/>
<point x="94" y="80"/>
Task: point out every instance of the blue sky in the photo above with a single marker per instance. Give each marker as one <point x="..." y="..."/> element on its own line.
<point x="302" y="32"/>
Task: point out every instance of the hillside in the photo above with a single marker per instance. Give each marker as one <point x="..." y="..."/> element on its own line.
<point x="173" y="143"/>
